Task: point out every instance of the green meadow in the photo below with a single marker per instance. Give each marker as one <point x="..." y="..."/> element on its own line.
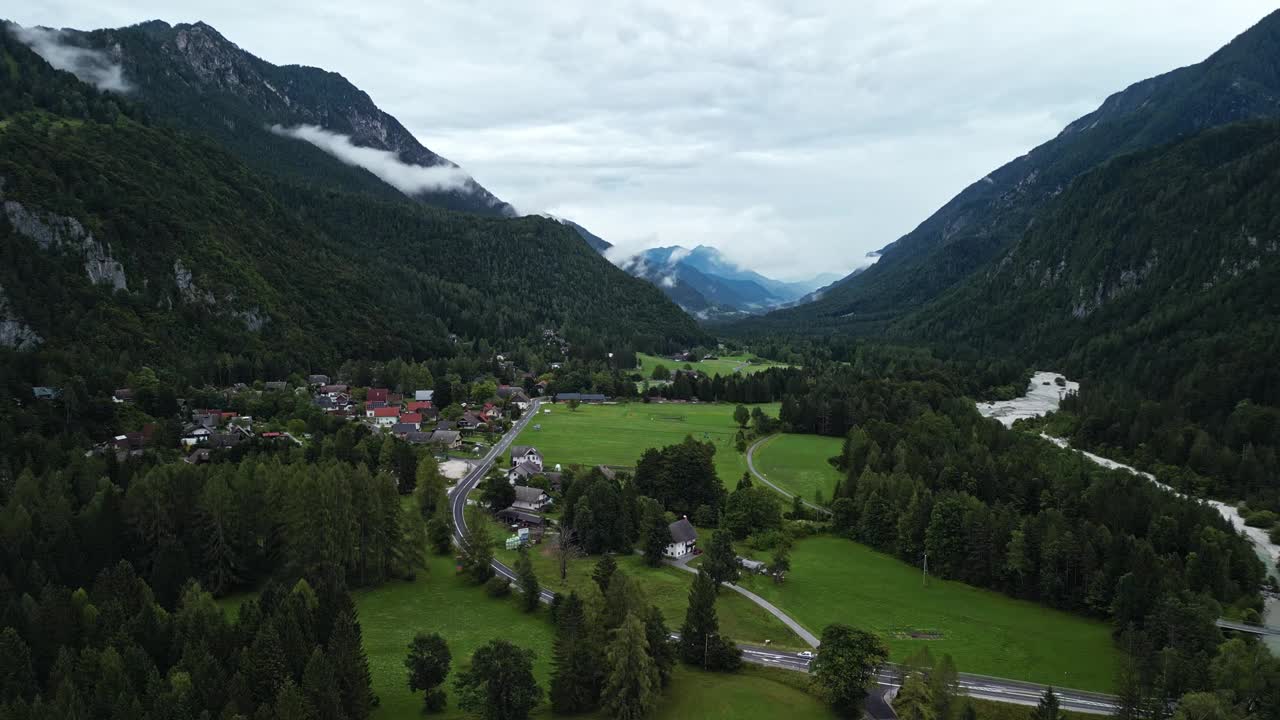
<point x="798" y="464"/>
<point x="722" y="365"/>
<point x="837" y="580"/>
<point x="618" y="434"/>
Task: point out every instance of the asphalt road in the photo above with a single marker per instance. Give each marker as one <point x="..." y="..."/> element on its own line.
<point x="978" y="686"/>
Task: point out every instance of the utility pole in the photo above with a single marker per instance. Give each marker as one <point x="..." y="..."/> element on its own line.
<point x="926" y="569"/>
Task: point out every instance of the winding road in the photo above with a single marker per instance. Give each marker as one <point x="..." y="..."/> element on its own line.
<point x="888" y="678"/>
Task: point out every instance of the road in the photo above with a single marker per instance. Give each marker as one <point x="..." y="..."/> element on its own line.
<point x="978" y="686"/>
<point x="751" y="465"/>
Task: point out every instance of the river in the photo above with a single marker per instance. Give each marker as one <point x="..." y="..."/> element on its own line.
<point x="1044" y="395"/>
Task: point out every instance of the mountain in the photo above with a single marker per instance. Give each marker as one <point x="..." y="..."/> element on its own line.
<point x="303" y="123"/>
<point x="123" y="239"/>
<point x="731" y="289"/>
<point x="595" y="242"/>
<point x="1239" y="82"/>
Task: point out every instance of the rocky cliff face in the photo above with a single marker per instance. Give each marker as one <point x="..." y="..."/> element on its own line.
<point x="59" y="232"/>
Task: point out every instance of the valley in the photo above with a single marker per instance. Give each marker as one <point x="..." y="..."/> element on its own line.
<point x="302" y="419"/>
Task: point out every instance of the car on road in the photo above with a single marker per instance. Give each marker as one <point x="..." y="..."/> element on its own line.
<point x="808" y="655"/>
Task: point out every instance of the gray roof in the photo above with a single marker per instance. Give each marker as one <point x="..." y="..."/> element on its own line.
<point x="318" y="379"/>
<point x="445" y="436"/>
<point x="525" y="470"/>
<point x="515" y="513"/>
<point x="403" y="428"/>
<point x="682" y="531"/>
<point x="275" y="385"/>
<point x="529" y="494"/>
<point x="423" y="394"/>
<point x="418" y="438"/>
<point x="517" y="450"/>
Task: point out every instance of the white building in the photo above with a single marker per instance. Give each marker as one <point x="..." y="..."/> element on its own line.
<point x="684" y="539"/>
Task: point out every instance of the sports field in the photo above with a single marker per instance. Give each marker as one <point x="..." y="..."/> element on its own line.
<point x="837" y="580"/>
<point x="798" y="464"/>
<point x="666" y="587"/>
<point x="722" y="365"/>
<point x="618" y="434"/>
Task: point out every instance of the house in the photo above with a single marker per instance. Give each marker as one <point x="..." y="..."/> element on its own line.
<point x="131" y="441"/>
<point x="514" y="395"/>
<point x="684" y="539"/>
<point x="526" y="455"/>
<point x="581" y="397"/>
<point x="514" y="514"/>
<point x="555" y="480"/>
<point x="755" y="566"/>
<point x="401" y="429"/>
<point x="334" y="391"/>
<point x="123" y="395"/>
<point x="531" y="498"/>
<point x="376" y="395"/>
<point x="472" y="420"/>
<point x="446" y="438"/>
<point x="521" y="474"/>
<point x="199" y="456"/>
<point x="275" y="386"/>
<point x="317" y="379"/>
<point x="417" y="405"/>
<point x="414" y="419"/>
<point x="385" y="416"/>
<point x="395" y="398"/>
<point x="373" y="406"/>
<point x="46" y="393"/>
<point x="417" y="437"/>
<point x="196" y="436"/>
<point x="224" y="440"/>
<point x="427" y="395"/>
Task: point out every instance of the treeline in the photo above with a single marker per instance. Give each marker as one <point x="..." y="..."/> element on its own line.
<point x="113" y="651"/>
<point x="281" y="277"/>
<point x="230" y="525"/>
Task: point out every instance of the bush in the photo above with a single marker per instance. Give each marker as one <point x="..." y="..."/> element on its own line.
<point x="1275" y="534"/>
<point x="1261" y="519"/>
<point x="766" y="540"/>
<point x="498" y="586"/>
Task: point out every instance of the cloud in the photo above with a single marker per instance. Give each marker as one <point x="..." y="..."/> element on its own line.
<point x="407" y="178"/>
<point x="792" y="137"/>
<point x="91" y="66"/>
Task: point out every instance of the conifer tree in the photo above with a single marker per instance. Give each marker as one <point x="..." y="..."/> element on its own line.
<point x="351" y="666"/>
<point x="528" y="579"/>
<point x="606" y="566"/>
<point x="573" y="677"/>
<point x="631" y="688"/>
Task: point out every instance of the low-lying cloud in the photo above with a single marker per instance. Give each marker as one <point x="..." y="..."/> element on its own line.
<point x="91" y="66"/>
<point x="407" y="178"/>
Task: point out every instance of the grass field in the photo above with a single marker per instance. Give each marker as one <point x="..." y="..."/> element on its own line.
<point x="724" y="365"/>
<point x="618" y="434"/>
<point x="440" y="602"/>
<point x="666" y="587"/>
<point x="798" y="463"/>
<point x="836" y="580"/>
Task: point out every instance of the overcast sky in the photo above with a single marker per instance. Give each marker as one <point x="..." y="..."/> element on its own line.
<point x="793" y="136"/>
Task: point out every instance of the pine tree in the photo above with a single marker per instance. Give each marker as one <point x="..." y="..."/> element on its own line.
<point x="573" y="685"/>
<point x="351" y="666"/>
<point x="319" y="685"/>
<point x="915" y="699"/>
<point x="528" y="581"/>
<point x="1047" y="709"/>
<point x="721" y="562"/>
<point x="440" y="530"/>
<point x="477" y="549"/>
<point x="631" y="679"/>
<point x="292" y="704"/>
<point x="657" y="537"/>
<point x="663" y="650"/>
<point x="17" y="678"/>
<point x="499" y="684"/>
<point x="217" y="512"/>
<point x="603" y="572"/>
<point x="268" y="667"/>
<point x="701" y="643"/>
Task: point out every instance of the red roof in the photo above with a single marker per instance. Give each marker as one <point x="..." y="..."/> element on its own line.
<point x="270" y="434"/>
<point x="386" y="412"/>
<point x="377" y="395"/>
<point x="418" y="405"/>
<point x="411" y="418"/>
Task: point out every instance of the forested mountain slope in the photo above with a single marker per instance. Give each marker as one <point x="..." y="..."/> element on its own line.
<point x="1239" y="82"/>
<point x="193" y="76"/>
<point x="122" y="240"/>
<point x="1157" y="277"/>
